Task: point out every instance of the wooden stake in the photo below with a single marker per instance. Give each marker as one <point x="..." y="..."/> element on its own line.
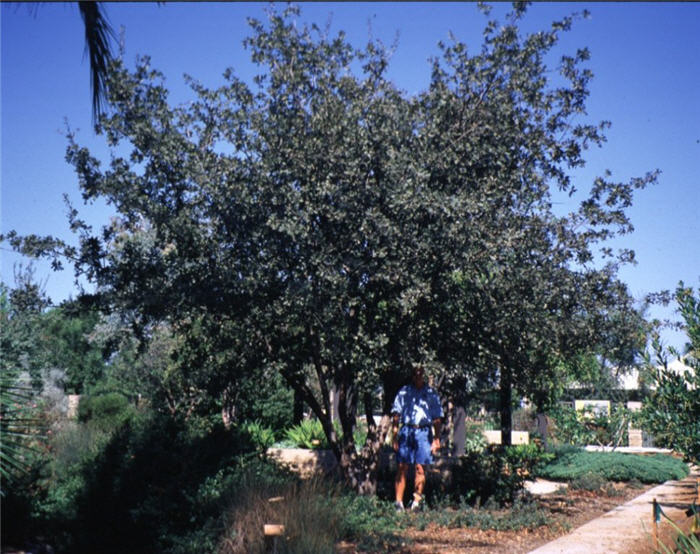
<point x="273" y="530"/>
<point x="272" y="533"/>
<point x="654" y="526"/>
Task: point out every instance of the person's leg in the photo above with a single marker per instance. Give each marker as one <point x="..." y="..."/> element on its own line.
<point x="419" y="484"/>
<point x="420" y="480"/>
<point x="400" y="482"/>
<point x="423" y="457"/>
<point x="404" y="458"/>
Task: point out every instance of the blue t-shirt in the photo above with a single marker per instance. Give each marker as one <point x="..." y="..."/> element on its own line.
<point x="417" y="406"/>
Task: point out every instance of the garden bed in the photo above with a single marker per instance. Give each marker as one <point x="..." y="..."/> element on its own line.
<point x="565" y="510"/>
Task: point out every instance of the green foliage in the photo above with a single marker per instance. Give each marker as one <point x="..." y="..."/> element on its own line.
<point x="588" y="482"/>
<point x="520" y="515"/>
<point x="105" y="411"/>
<point x="672" y="409"/>
<point x="265" y="398"/>
<point x="615" y="466"/>
<point x="474" y="441"/>
<point x="66" y="331"/>
<point x="19" y="427"/>
<point x="498" y="472"/>
<point x="262" y="437"/>
<point x="164" y="482"/>
<point x="320" y="223"/>
<point x="583" y="427"/>
<point x="37" y="337"/>
<point x="308" y="434"/>
<point x="570" y="427"/>
<point x="373" y="523"/>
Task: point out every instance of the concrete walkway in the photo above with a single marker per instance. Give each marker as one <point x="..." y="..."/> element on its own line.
<point x="627" y="529"/>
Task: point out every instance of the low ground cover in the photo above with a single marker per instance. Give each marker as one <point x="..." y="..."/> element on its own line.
<point x="614" y="466"/>
<point x="320" y="517"/>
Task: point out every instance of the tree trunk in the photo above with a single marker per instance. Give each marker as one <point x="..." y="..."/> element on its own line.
<point x="459" y="434"/>
<point x="542" y="427"/>
<point x="360" y="470"/>
<point x="506" y="405"/>
<point x="298" y="414"/>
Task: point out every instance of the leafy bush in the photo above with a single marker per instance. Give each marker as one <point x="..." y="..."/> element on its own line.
<point x="588" y="482"/>
<point x="672" y="410"/>
<point x="615" y="466"/>
<point x="372" y="522"/>
<point x="499" y="472"/>
<point x="474" y="441"/>
<point x="569" y="428"/>
<point x="308" y="434"/>
<point x="584" y="427"/>
<point x="262" y="437"/>
<point x="265" y="399"/>
<point x="107" y="411"/>
<point x="156" y="484"/>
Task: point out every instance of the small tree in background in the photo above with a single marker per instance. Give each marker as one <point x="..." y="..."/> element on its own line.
<point x="672" y="409"/>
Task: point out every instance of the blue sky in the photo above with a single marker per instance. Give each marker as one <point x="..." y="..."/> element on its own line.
<point x="644" y="57"/>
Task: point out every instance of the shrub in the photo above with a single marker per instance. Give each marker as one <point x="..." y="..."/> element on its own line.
<point x="155" y="485"/>
<point x="499" y="472"/>
<point x="588" y="482"/>
<point x="107" y="411"/>
<point x="262" y="437"/>
<point x="307" y="434"/>
<point x="372" y="522"/>
<point x="570" y="428"/>
<point x="474" y="441"/>
<point x="615" y="466"/>
<point x="672" y="410"/>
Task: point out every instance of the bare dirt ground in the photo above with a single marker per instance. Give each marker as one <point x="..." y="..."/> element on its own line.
<point x="567" y="511"/>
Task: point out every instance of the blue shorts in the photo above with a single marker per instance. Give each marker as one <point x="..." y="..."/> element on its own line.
<point x="414" y="446"/>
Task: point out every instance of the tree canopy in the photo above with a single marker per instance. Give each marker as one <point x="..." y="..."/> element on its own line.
<point x="323" y="224"/>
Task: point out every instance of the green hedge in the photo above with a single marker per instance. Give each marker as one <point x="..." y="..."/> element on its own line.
<point x="615" y="466"/>
<point x="107" y="411"/>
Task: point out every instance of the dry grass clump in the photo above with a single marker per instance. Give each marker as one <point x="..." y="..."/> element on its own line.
<point x="308" y="510"/>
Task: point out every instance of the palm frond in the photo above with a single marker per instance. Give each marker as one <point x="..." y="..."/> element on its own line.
<point x="98" y="36"/>
<point x="18" y="429"/>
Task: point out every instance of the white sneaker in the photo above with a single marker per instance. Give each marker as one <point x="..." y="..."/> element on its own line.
<point x="417" y="503"/>
<point x="398" y="506"/>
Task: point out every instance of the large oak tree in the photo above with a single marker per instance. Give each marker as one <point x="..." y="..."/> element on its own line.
<point x="320" y="223"/>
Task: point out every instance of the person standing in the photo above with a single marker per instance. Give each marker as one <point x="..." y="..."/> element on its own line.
<point x="418" y="412"/>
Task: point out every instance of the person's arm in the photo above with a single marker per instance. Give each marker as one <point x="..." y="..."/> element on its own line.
<point x="437" y="427"/>
<point x="395" y="430"/>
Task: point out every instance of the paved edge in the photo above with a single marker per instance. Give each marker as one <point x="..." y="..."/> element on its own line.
<point x="617" y="530"/>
